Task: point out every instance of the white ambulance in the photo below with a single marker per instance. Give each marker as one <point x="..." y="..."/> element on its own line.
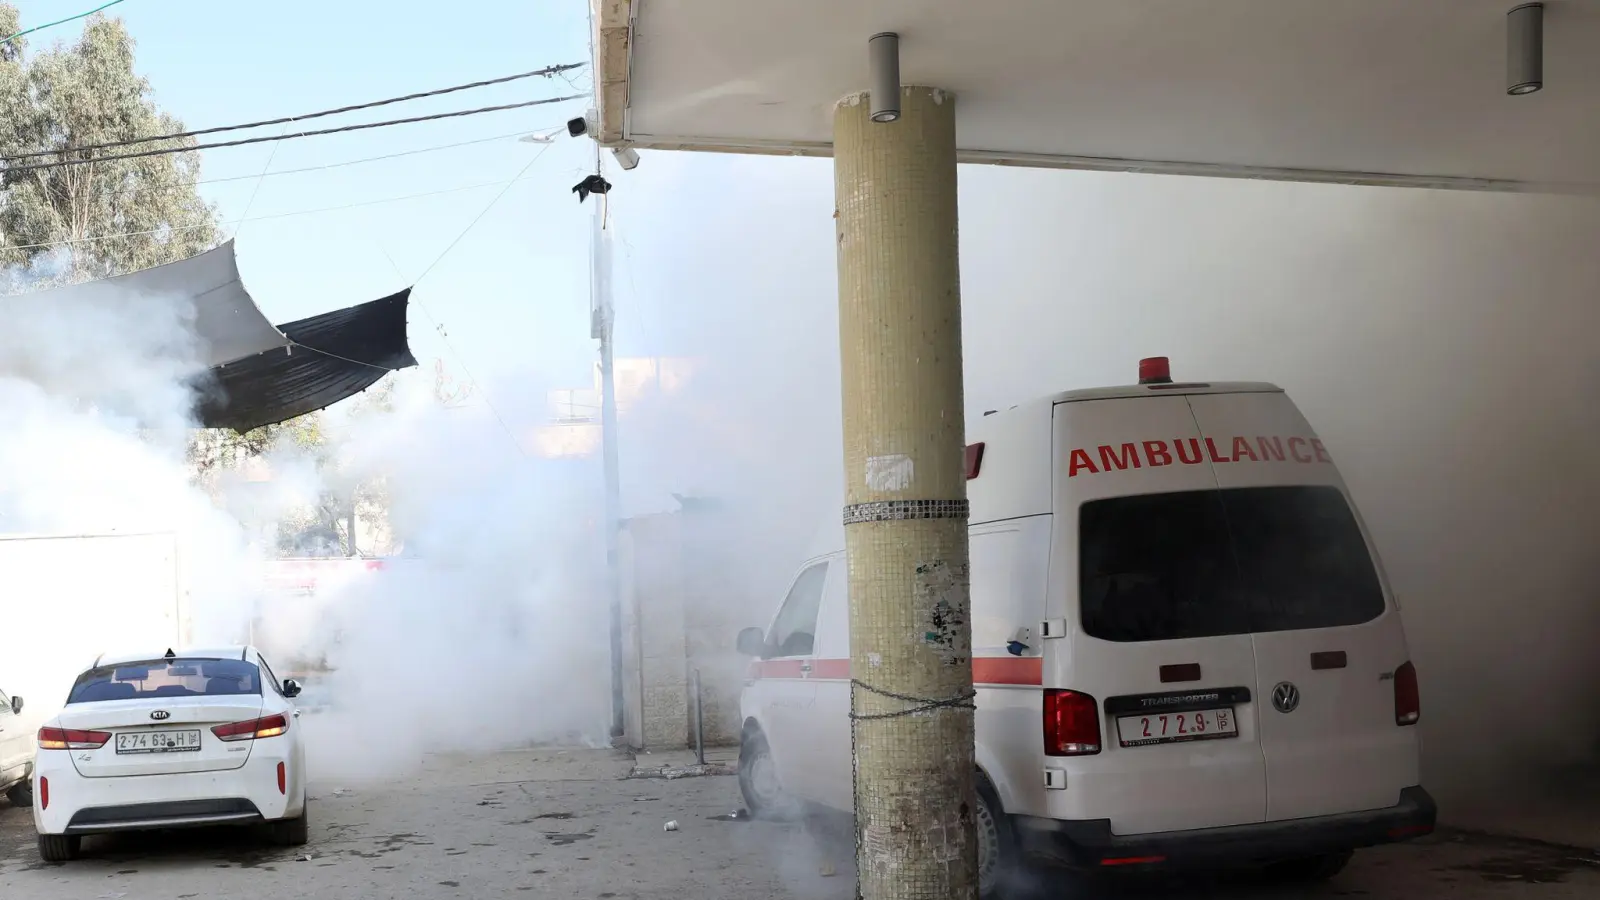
<point x="1185" y="649"/>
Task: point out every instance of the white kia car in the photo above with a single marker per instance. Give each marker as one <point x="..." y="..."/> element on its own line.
<point x="205" y="737"/>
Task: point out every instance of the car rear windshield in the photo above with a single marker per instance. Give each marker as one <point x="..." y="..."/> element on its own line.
<point x="1161" y="567"/>
<point x="167" y="678"/>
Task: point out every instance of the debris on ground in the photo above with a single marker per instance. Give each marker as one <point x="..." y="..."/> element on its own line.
<point x="828" y="871"/>
<point x="673" y="773"/>
<point x="670" y="826"/>
<point x="739" y="815"/>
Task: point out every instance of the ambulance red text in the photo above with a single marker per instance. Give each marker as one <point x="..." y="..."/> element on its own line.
<point x="1194" y="451"/>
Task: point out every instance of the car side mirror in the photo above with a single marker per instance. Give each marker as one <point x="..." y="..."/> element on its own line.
<point x="16" y="705"/>
<point x="752" y="642"/>
<point x="291" y="688"/>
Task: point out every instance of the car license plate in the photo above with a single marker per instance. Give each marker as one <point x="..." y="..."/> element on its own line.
<point x="1175" y="727"/>
<point x="158" y="742"/>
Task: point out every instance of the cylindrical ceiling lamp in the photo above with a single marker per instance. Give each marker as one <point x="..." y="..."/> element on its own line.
<point x="1525" y="49"/>
<point x="883" y="51"/>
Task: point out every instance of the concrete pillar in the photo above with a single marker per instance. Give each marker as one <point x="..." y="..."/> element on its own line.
<point x="906" y="512"/>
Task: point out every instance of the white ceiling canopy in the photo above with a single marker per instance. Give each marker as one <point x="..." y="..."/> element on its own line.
<point x="1365" y="91"/>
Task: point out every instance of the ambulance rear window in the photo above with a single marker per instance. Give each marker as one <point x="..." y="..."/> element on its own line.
<point x="1161" y="567"/>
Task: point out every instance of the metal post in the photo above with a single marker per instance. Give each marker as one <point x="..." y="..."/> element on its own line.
<point x="906" y="518"/>
<point x="699" y="722"/>
<point x="602" y="313"/>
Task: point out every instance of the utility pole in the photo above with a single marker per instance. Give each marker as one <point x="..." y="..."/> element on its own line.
<point x="602" y="315"/>
<point x="906" y="493"/>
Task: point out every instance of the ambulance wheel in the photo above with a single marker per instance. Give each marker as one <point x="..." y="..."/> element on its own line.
<point x="758" y="779"/>
<point x="997" y="846"/>
<point x="1311" y="870"/>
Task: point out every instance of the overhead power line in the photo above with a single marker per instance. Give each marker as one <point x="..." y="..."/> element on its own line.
<point x="289" y="137"/>
<point x="283" y="215"/>
<point x="546" y="72"/>
<point x="337" y="165"/>
<point x="84" y="15"/>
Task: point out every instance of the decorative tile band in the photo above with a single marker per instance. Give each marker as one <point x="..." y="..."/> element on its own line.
<point x="902" y="510"/>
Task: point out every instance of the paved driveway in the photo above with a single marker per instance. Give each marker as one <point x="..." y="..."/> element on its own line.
<point x="570" y="824"/>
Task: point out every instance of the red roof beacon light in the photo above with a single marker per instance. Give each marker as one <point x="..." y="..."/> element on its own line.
<point x="1155" y="370"/>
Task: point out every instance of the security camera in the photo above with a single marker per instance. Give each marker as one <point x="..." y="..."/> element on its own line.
<point x="627" y="157"/>
<point x="577" y="127"/>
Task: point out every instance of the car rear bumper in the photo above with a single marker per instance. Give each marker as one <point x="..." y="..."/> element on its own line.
<point x="79" y="805"/>
<point x="1090" y="843"/>
<point x="170" y="814"/>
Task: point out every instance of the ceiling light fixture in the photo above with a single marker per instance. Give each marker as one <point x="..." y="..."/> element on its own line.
<point x="1525" y="49"/>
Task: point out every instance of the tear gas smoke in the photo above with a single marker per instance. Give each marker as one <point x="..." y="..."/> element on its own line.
<point x="490" y="632"/>
<point x="93" y="391"/>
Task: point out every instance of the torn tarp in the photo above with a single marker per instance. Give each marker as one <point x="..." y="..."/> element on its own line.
<point x="202" y="293"/>
<point x="330" y="357"/>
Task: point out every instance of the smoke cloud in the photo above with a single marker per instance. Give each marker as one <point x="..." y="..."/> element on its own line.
<point x="97" y="409"/>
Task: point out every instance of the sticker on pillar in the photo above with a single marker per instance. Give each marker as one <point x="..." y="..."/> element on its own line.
<point x="890" y="474"/>
<point x="942" y="590"/>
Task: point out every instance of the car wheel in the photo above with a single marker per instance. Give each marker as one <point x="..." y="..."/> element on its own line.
<point x="758" y="780"/>
<point x="59" y="848"/>
<point x="292" y="832"/>
<point x="997" y="846"/>
<point x="21" y="794"/>
<point x="1310" y="870"/>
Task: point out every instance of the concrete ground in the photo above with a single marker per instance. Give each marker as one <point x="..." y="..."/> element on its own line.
<point x="573" y="824"/>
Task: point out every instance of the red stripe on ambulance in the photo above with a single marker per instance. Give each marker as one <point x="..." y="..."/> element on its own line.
<point x="1194" y="451"/>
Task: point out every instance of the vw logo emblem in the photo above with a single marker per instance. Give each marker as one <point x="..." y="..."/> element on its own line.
<point x="1285" y="697"/>
<point x="160" y="714"/>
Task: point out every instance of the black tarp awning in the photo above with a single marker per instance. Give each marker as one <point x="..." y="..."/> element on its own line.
<point x="255" y="373"/>
<point x="331" y="356"/>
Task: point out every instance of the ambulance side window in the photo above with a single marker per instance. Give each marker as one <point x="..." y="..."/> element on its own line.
<point x="794" y="631"/>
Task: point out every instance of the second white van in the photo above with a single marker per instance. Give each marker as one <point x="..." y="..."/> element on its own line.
<point x="1185" y="649"/>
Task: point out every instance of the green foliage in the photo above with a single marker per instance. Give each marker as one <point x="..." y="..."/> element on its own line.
<point x="77" y="95"/>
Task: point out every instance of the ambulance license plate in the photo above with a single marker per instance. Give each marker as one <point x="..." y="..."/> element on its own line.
<point x="1176" y="727"/>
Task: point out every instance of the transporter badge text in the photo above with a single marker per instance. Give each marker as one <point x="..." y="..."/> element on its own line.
<point x="1175" y="699"/>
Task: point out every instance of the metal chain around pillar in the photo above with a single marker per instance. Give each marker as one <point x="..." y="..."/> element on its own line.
<point x="906" y="518"/>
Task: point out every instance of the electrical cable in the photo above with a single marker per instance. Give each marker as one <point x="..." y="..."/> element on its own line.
<point x="256" y="191"/>
<point x="287" y="137"/>
<point x="438" y="326"/>
<point x="337" y="165"/>
<point x="9" y="38"/>
<point x="289" y="120"/>
<point x="283" y="215"/>
<point x="470" y="225"/>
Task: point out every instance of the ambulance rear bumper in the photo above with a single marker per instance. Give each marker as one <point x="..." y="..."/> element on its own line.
<point x="1089" y="844"/>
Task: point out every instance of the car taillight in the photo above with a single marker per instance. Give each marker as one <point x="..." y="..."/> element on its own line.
<point x="71" y="739"/>
<point x="1071" y="724"/>
<point x="44" y="792"/>
<point x="1407" y="697"/>
<point x="270" y="726"/>
<point x="283" y="779"/>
